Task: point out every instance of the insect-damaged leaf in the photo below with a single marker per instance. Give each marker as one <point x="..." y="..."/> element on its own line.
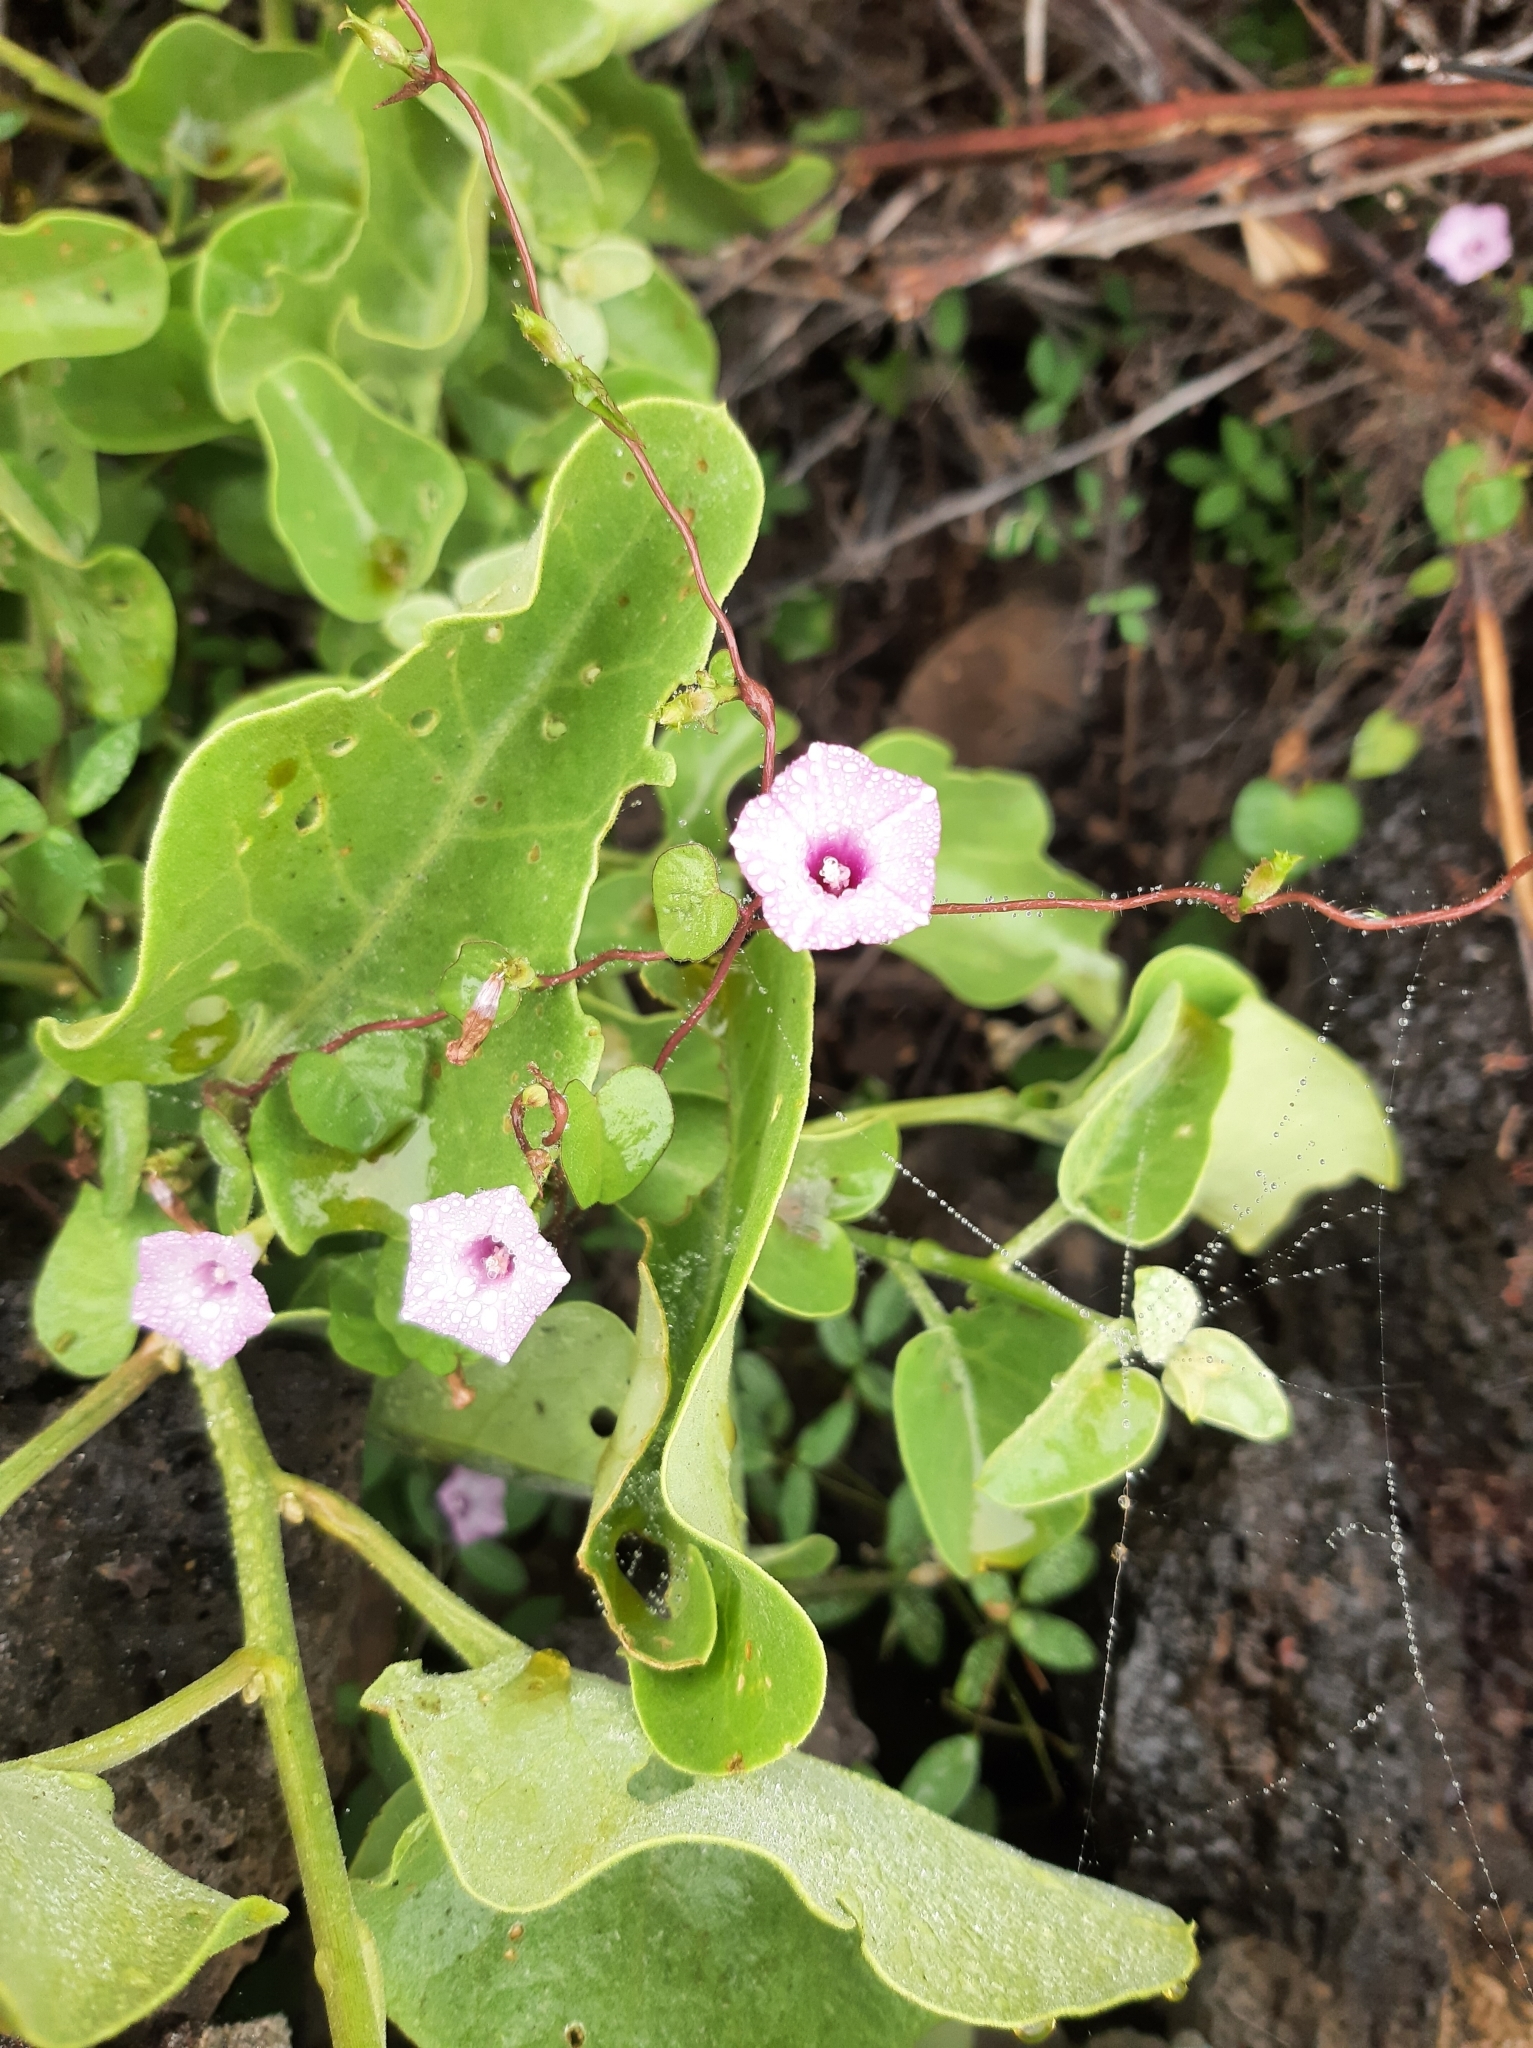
<point x="97" y="1931"/>
<point x="538" y="1777"/>
<point x="394" y="821"/>
<point x="77" y="284"/>
<point x="727" y="1669"/>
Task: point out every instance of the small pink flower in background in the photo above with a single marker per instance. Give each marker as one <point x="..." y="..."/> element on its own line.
<point x="1470" y="242"/>
<point x="196" y="1289"/>
<point x="473" y="1505"/>
<point x="479" y="1272"/>
<point x="841" y="851"/>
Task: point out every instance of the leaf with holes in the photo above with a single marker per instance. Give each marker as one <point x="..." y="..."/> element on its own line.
<point x="742" y="1958"/>
<point x="614" y="1138"/>
<point x="728" y="1671"/>
<point x="361" y="503"/>
<point x="959" y="1392"/>
<point x="77" y="284"/>
<point x="995" y="828"/>
<point x="97" y="1931"/>
<point x="549" y="1412"/>
<point x="395" y="821"/>
<point x="1099" y="1421"/>
<point x="538" y="1778"/>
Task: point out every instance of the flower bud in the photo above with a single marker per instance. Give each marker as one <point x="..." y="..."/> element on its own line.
<point x="386" y="48"/>
<point x="476" y="1025"/>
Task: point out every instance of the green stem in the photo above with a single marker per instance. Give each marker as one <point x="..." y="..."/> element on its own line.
<point x="156" y="1724"/>
<point x="255" y="1530"/>
<point x="47" y="79"/>
<point x="277" y="21"/>
<point x="994" y="1108"/>
<point x="928" y="1257"/>
<point x="81" y="1420"/>
<point x="926" y="1305"/>
<point x="1019" y="1249"/>
<point x="462" y="1628"/>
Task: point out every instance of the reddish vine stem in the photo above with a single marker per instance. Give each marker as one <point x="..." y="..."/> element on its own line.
<point x="756" y="696"/>
<point x="746" y="923"/>
<point x="252" y="1091"/>
<point x="599" y="960"/>
<point x="1232" y="908"/>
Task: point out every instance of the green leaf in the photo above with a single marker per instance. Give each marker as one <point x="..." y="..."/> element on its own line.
<point x="689" y="207"/>
<point x="942" y="1777"/>
<point x="30" y="1087"/>
<point x="1133" y="1164"/>
<point x="995" y="827"/>
<point x="615" y="1136"/>
<point x="822" y="1441"/>
<point x="1098" y="1422"/>
<point x="694" y="914"/>
<point x="495" y="1567"/>
<point x="77" y="284"/>
<point x="500" y="737"/>
<point x="1214" y="1378"/>
<point x="100" y="767"/>
<point x="81" y="1307"/>
<point x="19" y="810"/>
<point x="886" y="384"/>
<point x="113" y="617"/>
<point x="361" y="503"/>
<point x="1059" y="1571"/>
<point x="808" y="1270"/>
<point x="1434" y="578"/>
<point x="1053" y="1642"/>
<point x="1322" y="821"/>
<point x="742" y="1957"/>
<point x="529" y="1770"/>
<point x="804" y="625"/>
<point x="187" y="102"/>
<point x="98" y="1931"/>
<point x="1383" y="745"/>
<point x="809" y="1558"/>
<point x="1166" y="1305"/>
<point x="124" y="1145"/>
<point x="807" y="1266"/>
<point x="236" y="1178"/>
<point x="31" y="717"/>
<point x="1219" y="503"/>
<point x="48" y="488"/>
<point x="550" y="181"/>
<point x="657" y="328"/>
<point x="1194" y="467"/>
<point x="1468" y="497"/>
<point x="50" y="879"/>
<point x="959" y="1393"/>
<point x="549" y="1412"/>
<point x="147" y="399"/>
<point x="727" y="1670"/>
<point x="691" y="1162"/>
<point x="356" y="1098"/>
<point x="311" y="1189"/>
<point x="524" y="41"/>
<point x="708" y="766"/>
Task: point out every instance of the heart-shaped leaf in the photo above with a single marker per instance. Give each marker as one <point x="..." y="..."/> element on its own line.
<point x="98" y="1932"/>
<point x="613" y="1138"/>
<point x="356" y="1097"/>
<point x="1322" y="821"/>
<point x="1468" y="496"/>
<point x="1099" y="1421"/>
<point x="77" y="284"/>
<point x="695" y="916"/>
<point x="537" y="1778"/>
<point x="550" y="1411"/>
<point x="1215" y="1378"/>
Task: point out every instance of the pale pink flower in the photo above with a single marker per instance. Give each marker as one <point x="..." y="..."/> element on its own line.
<point x="473" y="1505"/>
<point x="1470" y="242"/>
<point x="196" y="1288"/>
<point x="841" y="851"/>
<point x="479" y="1272"/>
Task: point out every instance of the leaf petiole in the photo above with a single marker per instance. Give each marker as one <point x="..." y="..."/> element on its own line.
<point x="241" y="1673"/>
<point x="80" y="1422"/>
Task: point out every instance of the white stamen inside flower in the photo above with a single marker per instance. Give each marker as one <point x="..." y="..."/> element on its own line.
<point x="833" y="875"/>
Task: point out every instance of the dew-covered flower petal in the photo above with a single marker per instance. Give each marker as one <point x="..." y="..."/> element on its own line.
<point x="197" y="1290"/>
<point x="480" y="1273"/>
<point x="1469" y="242"/>
<point x="840" y="851"/>
<point x="473" y="1505"/>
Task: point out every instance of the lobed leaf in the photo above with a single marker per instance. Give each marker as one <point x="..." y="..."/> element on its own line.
<point x="77" y="284"/>
<point x="538" y="1778"/>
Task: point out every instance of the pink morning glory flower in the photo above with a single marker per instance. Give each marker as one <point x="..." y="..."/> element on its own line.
<point x="479" y="1272"/>
<point x="841" y="851"/>
<point x="1470" y="242"/>
<point x="196" y="1289"/>
<point x="473" y="1504"/>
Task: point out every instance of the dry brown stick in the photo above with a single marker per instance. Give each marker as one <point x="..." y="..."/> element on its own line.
<point x="1209" y="113"/>
<point x="974" y="47"/>
<point x="1501" y="753"/>
<point x="1299" y="309"/>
